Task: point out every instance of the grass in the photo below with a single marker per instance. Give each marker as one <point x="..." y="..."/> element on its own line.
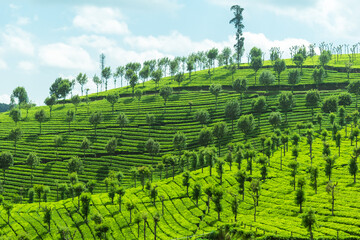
<point x="277" y="211"/>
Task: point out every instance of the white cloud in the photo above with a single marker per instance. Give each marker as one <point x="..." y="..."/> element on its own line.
<point x="94" y="41"/>
<point x="5" y="98"/>
<point x="18" y="40"/>
<point x="261" y="41"/>
<point x="23" y="21"/>
<point x="13" y="6"/>
<point x="340" y="18"/>
<point x="100" y="20"/>
<point x="26" y="65"/>
<point x="66" y="56"/>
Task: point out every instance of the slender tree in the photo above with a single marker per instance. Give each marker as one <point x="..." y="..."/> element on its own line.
<point x="40" y="117"/>
<point x="32" y="161"/>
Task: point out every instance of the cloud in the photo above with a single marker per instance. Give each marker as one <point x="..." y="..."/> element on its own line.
<point x="261" y="41"/>
<point x="65" y="56"/>
<point x="26" y="65"/>
<point x="18" y="40"/>
<point x="5" y="98"/>
<point x="13" y="6"/>
<point x="94" y="41"/>
<point x="100" y="20"/>
<point x="22" y="21"/>
<point x="339" y="18"/>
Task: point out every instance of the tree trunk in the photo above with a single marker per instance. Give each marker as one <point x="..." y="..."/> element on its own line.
<point x="254" y="211"/>
<point x="155" y="231"/>
<point x="144" y="230"/>
<point x="173" y="171"/>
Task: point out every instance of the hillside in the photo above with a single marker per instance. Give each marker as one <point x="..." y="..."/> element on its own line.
<point x="277" y="213"/>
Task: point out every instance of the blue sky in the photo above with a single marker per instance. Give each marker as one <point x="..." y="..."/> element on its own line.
<point x="41" y="40"/>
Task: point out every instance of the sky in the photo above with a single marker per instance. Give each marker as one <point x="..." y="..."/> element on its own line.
<point x="41" y="40"/>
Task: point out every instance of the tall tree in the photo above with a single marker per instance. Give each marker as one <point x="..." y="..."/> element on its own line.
<point x="330" y="188"/>
<point x="232" y="111"/>
<point x="286" y="102"/>
<point x="15" y="135"/>
<point x="354" y="87"/>
<point x="15" y="115"/>
<point x="50" y="102"/>
<point x="215" y="90"/>
<point x="266" y="78"/>
<point x="144" y="73"/>
<point x="220" y="130"/>
<point x="240" y="86"/>
<point x="106" y="73"/>
<point x="298" y="59"/>
<point x="33" y="161"/>
<point x="85" y="145"/>
<point x="97" y="82"/>
<point x="95" y="119"/>
<point x="70" y="117"/>
<point x="211" y="55"/>
<point x="294" y="78"/>
<point x="40" y="116"/>
<point x="239" y="26"/>
<point x="217" y="196"/>
<point x="259" y="106"/>
<point x="279" y="67"/>
<point x="312" y="100"/>
<point x="6" y="161"/>
<point x="112" y="98"/>
<point x="165" y="93"/>
<point x="82" y="79"/>
<point x="122" y="120"/>
<point x="21" y="94"/>
<point x="152" y="147"/>
<point x="308" y="220"/>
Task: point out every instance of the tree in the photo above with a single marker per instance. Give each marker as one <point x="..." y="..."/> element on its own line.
<point x="298" y="59"/>
<point x="156" y="221"/>
<point x="85" y="199"/>
<point x="324" y="57"/>
<point x="97" y="82"/>
<point x="39" y="189"/>
<point x="330" y="188"/>
<point x="120" y="72"/>
<point x="220" y="130"/>
<point x="348" y="67"/>
<point x="275" y="119"/>
<point x="6" y="161"/>
<point x="144" y="216"/>
<point x="196" y="193"/>
<point x="133" y="81"/>
<point x="64" y="89"/>
<point x="144" y="73"/>
<point x="21" y="94"/>
<point x="156" y="77"/>
<point x="232" y="111"/>
<point x="112" y="98"/>
<point x="33" y="161"/>
<point x="256" y="63"/>
<point x="240" y="86"/>
<point x="246" y="124"/>
<point x="293" y="165"/>
<point x="190" y="67"/>
<point x="120" y="190"/>
<point x="58" y="140"/>
<point x="50" y="102"/>
<point x="338" y="140"/>
<point x="312" y="100"/>
<point x="138" y="95"/>
<point x="254" y="191"/>
<point x="15" y="115"/>
<point x="354" y="87"/>
<point x="101" y="230"/>
<point x="111" y="147"/>
<point x="266" y="78"/>
<point x="314" y="174"/>
<point x="106" y="73"/>
<point x="300" y="194"/>
<point x="40" y="117"/>
<point x="179" y="141"/>
<point x="237" y="21"/>
<point x="344" y="99"/>
<point x="47" y="217"/>
<point x="241" y="178"/>
<point x="122" y="120"/>
<point x="171" y="160"/>
<point x="286" y="102"/>
<point x="308" y="220"/>
<point x="353" y="167"/>
<point x="95" y="119"/>
<point x="70" y="116"/>
<point x="279" y="67"/>
<point x="234" y="207"/>
<point x="220" y="169"/>
<point x="186" y="181"/>
<point x="330" y="104"/>
<point x="15" y="135"/>
<point x="165" y="93"/>
<point x="329" y="164"/>
<point x="152" y="147"/>
<point x="82" y="80"/>
<point x="215" y="90"/>
<point x="179" y="78"/>
<point x="205" y="136"/>
<point x="144" y="172"/>
<point x="75" y="165"/>
<point x="211" y="55"/>
<point x="8" y="207"/>
<point x="318" y="75"/>
<point x="294" y="78"/>
<point x="217" y="196"/>
<point x="259" y="106"/>
<point x="85" y="144"/>
<point x="202" y="116"/>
